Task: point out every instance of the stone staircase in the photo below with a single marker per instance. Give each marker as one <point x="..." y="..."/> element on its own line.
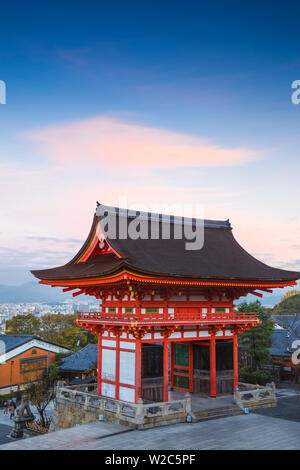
<point x="216" y="413"/>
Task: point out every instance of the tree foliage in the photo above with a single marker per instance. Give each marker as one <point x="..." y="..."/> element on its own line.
<point x="41" y="393"/>
<point x="22" y="325"/>
<point x="288" y="306"/>
<point x="40" y="396"/>
<point x="256" y="342"/>
<point x="55" y="328"/>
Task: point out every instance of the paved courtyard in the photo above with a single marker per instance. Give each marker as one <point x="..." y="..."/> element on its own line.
<point x="252" y="431"/>
<point x="288" y="408"/>
<point x="266" y="428"/>
<point x="4" y="431"/>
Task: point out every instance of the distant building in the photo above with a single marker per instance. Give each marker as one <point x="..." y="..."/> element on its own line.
<point x="81" y="364"/>
<point x="287" y="331"/>
<point x="23" y="359"/>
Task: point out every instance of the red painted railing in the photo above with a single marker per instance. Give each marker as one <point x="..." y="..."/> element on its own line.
<point x="176" y="317"/>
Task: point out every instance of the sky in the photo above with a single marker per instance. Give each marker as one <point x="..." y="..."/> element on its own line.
<point x="147" y="104"/>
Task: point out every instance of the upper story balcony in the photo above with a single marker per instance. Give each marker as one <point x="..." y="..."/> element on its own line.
<point x="191" y="316"/>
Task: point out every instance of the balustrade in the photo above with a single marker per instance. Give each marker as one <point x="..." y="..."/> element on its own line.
<point x="191" y="316"/>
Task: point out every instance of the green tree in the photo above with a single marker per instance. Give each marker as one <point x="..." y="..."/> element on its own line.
<point x="40" y="396"/>
<point x="55" y="328"/>
<point x="288" y="306"/>
<point x="27" y="324"/>
<point x="256" y="342"/>
<point x="41" y="393"/>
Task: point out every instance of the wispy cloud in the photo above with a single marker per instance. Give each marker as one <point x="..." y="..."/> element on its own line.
<point x="113" y="143"/>
<point x="54" y="239"/>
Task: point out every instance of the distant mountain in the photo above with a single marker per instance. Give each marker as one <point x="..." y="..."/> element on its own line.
<point x="35" y="292"/>
<point x="32" y="292"/>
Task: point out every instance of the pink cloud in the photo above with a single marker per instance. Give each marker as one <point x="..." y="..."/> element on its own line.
<point x="115" y="143"/>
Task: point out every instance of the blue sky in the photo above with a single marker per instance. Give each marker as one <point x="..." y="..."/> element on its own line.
<point x="219" y="73"/>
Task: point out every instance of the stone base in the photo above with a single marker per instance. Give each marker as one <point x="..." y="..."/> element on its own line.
<point x="19" y="426"/>
<point x="67" y="415"/>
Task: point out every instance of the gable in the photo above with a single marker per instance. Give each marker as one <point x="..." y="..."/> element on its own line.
<point x="33" y="343"/>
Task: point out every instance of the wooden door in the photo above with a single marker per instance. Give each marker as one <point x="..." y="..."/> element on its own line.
<point x="182" y="366"/>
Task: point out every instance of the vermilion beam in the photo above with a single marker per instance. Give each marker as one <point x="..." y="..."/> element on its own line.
<point x="235" y="362"/>
<point x="264" y="289"/>
<point x="213" y="391"/>
<point x="256" y="293"/>
<point x="78" y="293"/>
<point x="165" y="371"/>
<point x="138" y="370"/>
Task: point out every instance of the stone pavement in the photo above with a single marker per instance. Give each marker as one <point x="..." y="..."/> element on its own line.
<point x="4" y="419"/>
<point x="253" y="432"/>
<point x="4" y="431"/>
<point x="288" y="407"/>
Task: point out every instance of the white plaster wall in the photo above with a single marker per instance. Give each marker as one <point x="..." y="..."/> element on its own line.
<point x="127" y="367"/>
<point x="127" y="394"/>
<point x="108" y="364"/>
<point x="127" y="344"/>
<point x="190" y="334"/>
<point x="108" y="390"/>
<point x="111" y="343"/>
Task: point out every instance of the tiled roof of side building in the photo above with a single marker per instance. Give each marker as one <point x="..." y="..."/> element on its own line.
<point x="283" y="339"/>
<point x="281" y="343"/>
<point x="14" y="341"/>
<point x="82" y="360"/>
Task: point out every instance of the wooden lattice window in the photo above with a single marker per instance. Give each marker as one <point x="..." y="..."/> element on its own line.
<point x="33" y="365"/>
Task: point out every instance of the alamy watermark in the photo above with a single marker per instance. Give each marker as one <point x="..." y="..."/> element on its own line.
<point x="296" y="354"/>
<point x="295" y="98"/>
<point x="2" y="92"/>
<point x="147" y="224"/>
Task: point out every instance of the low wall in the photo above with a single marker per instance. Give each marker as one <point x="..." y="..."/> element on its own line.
<point x="74" y="407"/>
<point x="255" y="396"/>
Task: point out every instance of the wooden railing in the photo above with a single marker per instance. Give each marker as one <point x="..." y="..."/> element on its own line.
<point x="192" y="316"/>
<point x="224" y="382"/>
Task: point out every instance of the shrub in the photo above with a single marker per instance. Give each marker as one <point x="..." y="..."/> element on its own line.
<point x="257" y="377"/>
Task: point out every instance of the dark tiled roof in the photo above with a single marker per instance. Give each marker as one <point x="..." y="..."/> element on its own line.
<point x="89" y="380"/>
<point x="82" y="360"/>
<point x="220" y="258"/>
<point x="14" y="341"/>
<point x="282" y="340"/>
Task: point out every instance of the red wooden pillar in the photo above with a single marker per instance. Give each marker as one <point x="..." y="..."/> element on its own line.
<point x="235" y="362"/>
<point x="172" y="353"/>
<point x="213" y="366"/>
<point x="117" y="367"/>
<point x="138" y="370"/>
<point x="99" y="363"/>
<point x="165" y="370"/>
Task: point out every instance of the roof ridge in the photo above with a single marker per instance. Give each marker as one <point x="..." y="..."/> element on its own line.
<point x="102" y="210"/>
